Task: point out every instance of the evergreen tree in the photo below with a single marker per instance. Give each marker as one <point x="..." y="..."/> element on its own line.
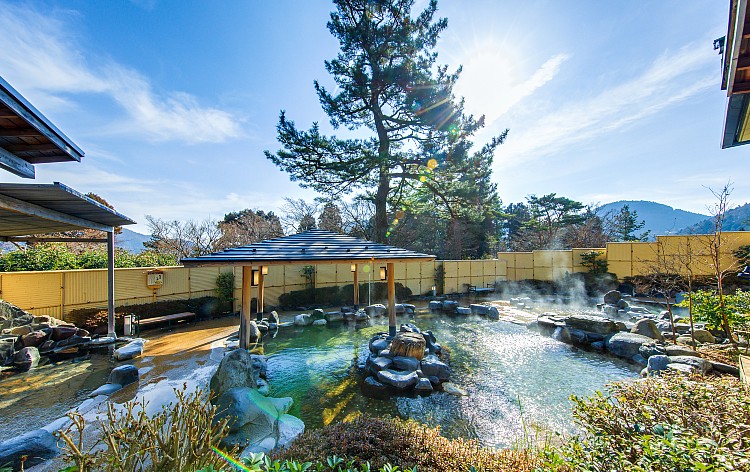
<point x="330" y="218"/>
<point x="307" y="222"/>
<point x="388" y="82"/>
<point x="624" y="225"/>
<point x="551" y="214"/>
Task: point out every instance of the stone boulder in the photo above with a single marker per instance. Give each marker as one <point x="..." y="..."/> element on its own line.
<point x="704" y="336"/>
<point x="34" y="339"/>
<point x="398" y="380"/>
<point x="478" y="309"/>
<point x="371" y="387"/>
<point x="235" y="370"/>
<point x="63" y="332"/>
<point x="26" y="359"/>
<point x="454" y="390"/>
<point x="423" y="386"/>
<point x="6" y="350"/>
<point x="647" y="327"/>
<point x="678" y="350"/>
<point x="449" y="306"/>
<point x="612" y="297"/>
<point x="408" y="364"/>
<point x="319" y="323"/>
<point x="123" y="375"/>
<point x="686" y="339"/>
<point x="302" y="320"/>
<point x="592" y="323"/>
<point x="463" y="310"/>
<point x="37" y="446"/>
<point x="377" y="344"/>
<point x="682" y="368"/>
<point x="432" y="366"/>
<point x="435" y="305"/>
<point x="725" y="368"/>
<point x="132" y="349"/>
<point x="334" y="317"/>
<point x="273" y="318"/>
<point x="657" y="363"/>
<point x="626" y="345"/>
<point x="318" y="314"/>
<point x="652" y="349"/>
<point x="376" y="310"/>
<point x="702" y="366"/>
<point x="360" y="316"/>
<point x="493" y="313"/>
<point x="376" y="364"/>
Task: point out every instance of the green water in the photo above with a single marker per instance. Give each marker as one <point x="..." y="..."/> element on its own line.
<point x="511" y="374"/>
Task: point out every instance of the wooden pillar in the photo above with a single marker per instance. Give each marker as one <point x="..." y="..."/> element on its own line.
<point x="261" y="307"/>
<point x="247" y="281"/>
<point x="391" y="275"/>
<point x="111" y="283"/>
<point x="356" y="286"/>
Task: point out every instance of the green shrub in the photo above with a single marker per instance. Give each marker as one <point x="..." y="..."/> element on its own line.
<point x="706" y="308"/>
<point x="337" y="296"/>
<point x="57" y="256"/>
<point x="225" y="289"/>
<point x="91" y="318"/>
<point x="665" y="423"/>
<point x="384" y="441"/>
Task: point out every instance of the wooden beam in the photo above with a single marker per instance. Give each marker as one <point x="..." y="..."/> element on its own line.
<point x="741" y="87"/>
<point x="111" y="284"/>
<point x="391" y="276"/>
<point x="18" y="132"/>
<point x="16" y="165"/>
<point x="24" y="239"/>
<point x="261" y="291"/>
<point x="356" y="285"/>
<point x="37" y="123"/>
<point x="26" y="208"/>
<point x="743" y="63"/>
<point x="247" y="280"/>
<point x="32" y="148"/>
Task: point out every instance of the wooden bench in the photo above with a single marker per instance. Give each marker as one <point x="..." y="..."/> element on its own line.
<point x="138" y="322"/>
<point x="479" y="290"/>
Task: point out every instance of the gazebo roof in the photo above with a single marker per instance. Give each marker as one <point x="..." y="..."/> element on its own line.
<point x="315" y="246"/>
<point x="48" y="208"/>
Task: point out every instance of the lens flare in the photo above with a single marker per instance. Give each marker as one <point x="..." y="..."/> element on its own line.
<point x="432" y="163"/>
<point x="400" y="214"/>
<point x="236" y="465"/>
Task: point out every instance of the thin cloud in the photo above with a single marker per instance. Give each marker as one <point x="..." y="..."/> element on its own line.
<point x="41" y="56"/>
<point x="671" y="78"/>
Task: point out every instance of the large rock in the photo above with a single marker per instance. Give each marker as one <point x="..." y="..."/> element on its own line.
<point x="253" y="332"/>
<point x="63" y="332"/>
<point x="647" y="327"/>
<point x="377" y="344"/>
<point x="334" y="317"/>
<point x="703" y="336"/>
<point x="246" y="406"/>
<point x="376" y="364"/>
<point x="302" y="320"/>
<point x="612" y="297"/>
<point x="432" y="366"/>
<point x="398" y="380"/>
<point x="320" y="323"/>
<point x="626" y="345"/>
<point x="376" y="310"/>
<point x="318" y="314"/>
<point x="372" y="387"/>
<point x="725" y="368"/>
<point x="702" y="366"/>
<point x="6" y="351"/>
<point x="463" y="310"/>
<point x="592" y="323"/>
<point x="678" y="350"/>
<point x="657" y="363"/>
<point x="260" y="365"/>
<point x="273" y="318"/>
<point x="132" y="349"/>
<point x="26" y="359"/>
<point x="408" y="364"/>
<point x="449" y="306"/>
<point x="493" y="313"/>
<point x="424" y="386"/>
<point x="123" y="375"/>
<point x="478" y="309"/>
<point x="435" y="305"/>
<point x="235" y="370"/>
<point x="683" y="368"/>
<point x="288" y="429"/>
<point x="37" y="446"/>
<point x="34" y="339"/>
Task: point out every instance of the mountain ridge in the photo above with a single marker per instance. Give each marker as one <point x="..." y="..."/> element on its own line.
<point x="660" y="219"/>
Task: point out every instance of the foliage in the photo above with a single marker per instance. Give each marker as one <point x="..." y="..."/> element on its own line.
<point x="742" y="254"/>
<point x="225" y="288"/>
<point x="330" y="218"/>
<point x="182" y="238"/>
<point x="383" y="441"/>
<point x="308" y="272"/>
<point x="440" y="278"/>
<point x="91" y="318"/>
<point x="333" y="296"/>
<point x="624" y="225"/>
<point x="594" y="262"/>
<point x="182" y="436"/>
<point x="262" y="463"/>
<point x="388" y="82"/>
<point x="58" y="256"/>
<point x="667" y="423"/>
<point x="240" y="228"/>
<point x="707" y="308"/>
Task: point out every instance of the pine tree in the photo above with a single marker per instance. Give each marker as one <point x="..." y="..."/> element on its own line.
<point x="387" y="82"/>
<point x="624" y="225"/>
<point x="330" y="218"/>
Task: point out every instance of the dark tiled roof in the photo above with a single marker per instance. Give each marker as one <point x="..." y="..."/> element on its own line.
<point x="315" y="245"/>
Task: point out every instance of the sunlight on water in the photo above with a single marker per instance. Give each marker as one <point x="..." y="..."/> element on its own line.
<point x="516" y="378"/>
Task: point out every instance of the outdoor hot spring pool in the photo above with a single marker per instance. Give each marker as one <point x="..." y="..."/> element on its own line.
<point x="511" y="374"/>
<point x="516" y="378"/>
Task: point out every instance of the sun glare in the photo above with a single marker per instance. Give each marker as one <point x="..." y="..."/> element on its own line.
<point x="490" y="74"/>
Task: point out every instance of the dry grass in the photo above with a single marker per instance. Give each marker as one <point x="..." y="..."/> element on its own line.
<point x="405" y="444"/>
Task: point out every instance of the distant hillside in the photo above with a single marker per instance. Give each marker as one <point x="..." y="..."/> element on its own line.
<point x="131" y="240"/>
<point x="736" y="219"/>
<point x="660" y="219"/>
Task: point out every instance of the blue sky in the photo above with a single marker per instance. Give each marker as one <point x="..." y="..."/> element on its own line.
<point x="175" y="101"/>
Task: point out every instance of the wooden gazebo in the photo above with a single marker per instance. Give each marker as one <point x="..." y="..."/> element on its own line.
<point x="310" y="247"/>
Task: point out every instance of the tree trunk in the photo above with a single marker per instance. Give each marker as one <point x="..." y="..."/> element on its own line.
<point x="381" y="206"/>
